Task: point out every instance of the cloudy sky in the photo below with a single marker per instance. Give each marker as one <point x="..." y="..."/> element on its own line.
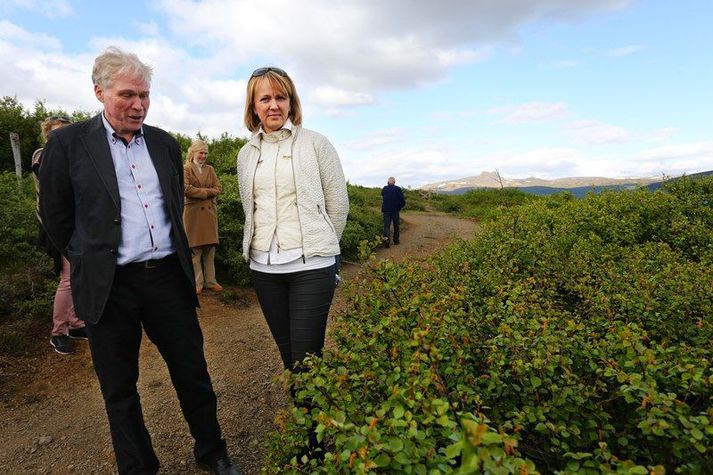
<point x="422" y="90"/>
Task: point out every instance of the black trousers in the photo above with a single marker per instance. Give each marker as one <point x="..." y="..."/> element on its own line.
<point x="296" y="306"/>
<point x="389" y="217"/>
<point x="158" y="300"/>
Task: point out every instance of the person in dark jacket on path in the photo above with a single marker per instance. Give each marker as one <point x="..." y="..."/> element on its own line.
<point x="392" y="201"/>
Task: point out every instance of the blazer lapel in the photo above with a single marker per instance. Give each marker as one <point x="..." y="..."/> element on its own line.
<point x="201" y="176"/>
<point x="97" y="148"/>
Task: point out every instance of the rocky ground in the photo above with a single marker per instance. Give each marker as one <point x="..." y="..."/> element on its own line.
<point x="52" y="413"/>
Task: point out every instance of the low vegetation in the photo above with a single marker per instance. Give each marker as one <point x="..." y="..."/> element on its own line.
<point x="569" y="336"/>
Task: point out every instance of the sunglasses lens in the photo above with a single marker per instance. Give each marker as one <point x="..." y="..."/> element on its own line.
<point x="262" y="71"/>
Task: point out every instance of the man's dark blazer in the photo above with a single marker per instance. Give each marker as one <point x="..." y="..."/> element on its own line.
<point x="81" y="209"/>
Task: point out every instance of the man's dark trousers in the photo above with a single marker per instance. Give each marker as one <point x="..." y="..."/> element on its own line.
<point x="156" y="299"/>
<point x="389" y="217"/>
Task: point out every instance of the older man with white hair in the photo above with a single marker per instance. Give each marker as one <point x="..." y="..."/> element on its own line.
<point x="111" y="202"/>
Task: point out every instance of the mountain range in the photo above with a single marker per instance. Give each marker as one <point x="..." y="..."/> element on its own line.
<point x="494" y="180"/>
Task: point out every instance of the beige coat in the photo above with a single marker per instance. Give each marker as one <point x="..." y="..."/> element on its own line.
<point x="199" y="214"/>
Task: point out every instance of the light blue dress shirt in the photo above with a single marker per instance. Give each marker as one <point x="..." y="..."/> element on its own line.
<point x="145" y="225"/>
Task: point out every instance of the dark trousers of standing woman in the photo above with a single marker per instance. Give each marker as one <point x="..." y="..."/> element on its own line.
<point x="296" y="306"/>
<point x="389" y="217"/>
<point x="158" y="300"/>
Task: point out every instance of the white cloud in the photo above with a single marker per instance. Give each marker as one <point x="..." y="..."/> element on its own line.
<point x="702" y="151"/>
<point x="148" y="28"/>
<point x="623" y="51"/>
<point x="34" y="67"/>
<point x="531" y="112"/>
<point x="549" y="162"/>
<point x="592" y="132"/>
<point x="47" y="8"/>
<point x="13" y="34"/>
<point x="378" y="139"/>
<point x="362" y="46"/>
<point x="411" y="166"/>
<point x="455" y="56"/>
<point x="661" y="135"/>
<point x="332" y="97"/>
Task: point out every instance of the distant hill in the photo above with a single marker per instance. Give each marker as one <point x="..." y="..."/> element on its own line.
<point x="658" y="184"/>
<point x="579" y="191"/>
<point x="578" y="186"/>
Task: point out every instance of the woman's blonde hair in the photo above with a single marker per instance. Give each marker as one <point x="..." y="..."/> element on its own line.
<point x="195" y="147"/>
<point x="51" y="122"/>
<point x="280" y="83"/>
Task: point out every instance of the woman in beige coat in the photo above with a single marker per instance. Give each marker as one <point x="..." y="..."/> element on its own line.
<point x="200" y="216"/>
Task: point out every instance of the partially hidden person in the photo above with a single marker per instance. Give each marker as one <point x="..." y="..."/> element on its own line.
<point x="294" y="195"/>
<point x="200" y="216"/>
<point x="111" y="202"/>
<point x="65" y="324"/>
<point x="392" y="202"/>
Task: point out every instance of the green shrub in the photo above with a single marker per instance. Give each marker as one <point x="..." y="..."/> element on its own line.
<point x="483" y="204"/>
<point x="364" y="221"/>
<point x="573" y="335"/>
<point x="231" y="220"/>
<point x="27" y="282"/>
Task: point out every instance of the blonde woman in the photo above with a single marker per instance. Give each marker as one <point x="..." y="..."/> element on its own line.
<point x="65" y="324"/>
<point x="200" y="216"/>
<point x="295" y="200"/>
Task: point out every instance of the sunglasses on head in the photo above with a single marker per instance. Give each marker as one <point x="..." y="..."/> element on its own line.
<point x="263" y="71"/>
<point x="60" y="118"/>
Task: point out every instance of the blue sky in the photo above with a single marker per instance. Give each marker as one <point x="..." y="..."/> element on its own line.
<point x="424" y="91"/>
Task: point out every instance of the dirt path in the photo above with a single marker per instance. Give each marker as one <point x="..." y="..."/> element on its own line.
<point x="52" y="414"/>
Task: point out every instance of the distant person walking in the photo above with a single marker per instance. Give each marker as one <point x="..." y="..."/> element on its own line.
<point x="392" y="201"/>
<point x="65" y="324"/>
<point x="200" y="216"/>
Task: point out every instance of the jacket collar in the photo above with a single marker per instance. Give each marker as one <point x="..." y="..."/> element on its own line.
<point x="256" y="137"/>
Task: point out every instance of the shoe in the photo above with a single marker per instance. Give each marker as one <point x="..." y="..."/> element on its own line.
<point x="220" y="466"/>
<point x="78" y="333"/>
<point x="386" y="244"/>
<point x="62" y="344"/>
<point x="216" y="288"/>
<point x="396" y="243"/>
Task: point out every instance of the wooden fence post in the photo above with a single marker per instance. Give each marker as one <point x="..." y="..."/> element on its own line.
<point x="15" y="144"/>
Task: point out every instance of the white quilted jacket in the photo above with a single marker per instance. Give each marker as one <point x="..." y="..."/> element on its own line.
<point x="322" y="200"/>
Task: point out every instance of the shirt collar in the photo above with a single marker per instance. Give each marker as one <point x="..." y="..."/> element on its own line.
<point x="113" y="137"/>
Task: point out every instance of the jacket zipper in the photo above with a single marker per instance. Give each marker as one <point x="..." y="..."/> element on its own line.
<point x="297" y="204"/>
<point x="252" y="199"/>
<point x="274" y="178"/>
